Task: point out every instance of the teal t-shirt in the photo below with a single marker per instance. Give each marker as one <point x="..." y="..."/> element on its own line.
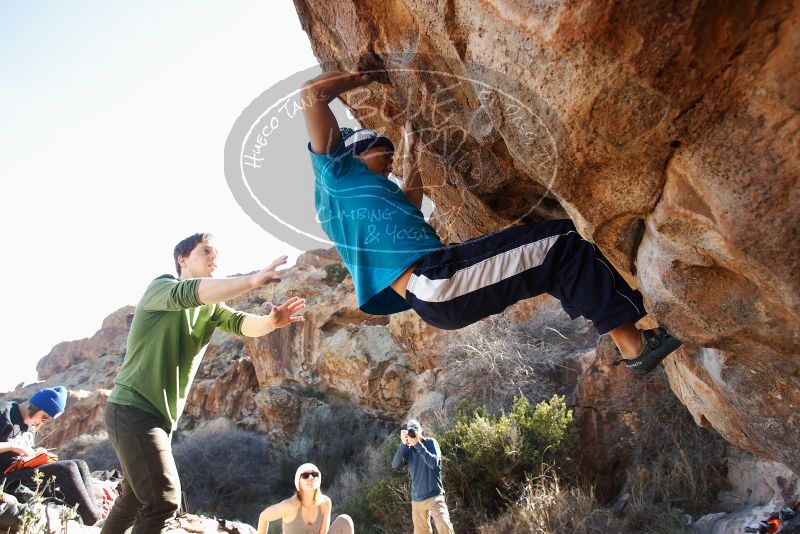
<point x="377" y="231"/>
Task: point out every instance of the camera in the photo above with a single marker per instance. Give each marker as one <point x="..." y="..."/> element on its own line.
<point x="412" y="432"/>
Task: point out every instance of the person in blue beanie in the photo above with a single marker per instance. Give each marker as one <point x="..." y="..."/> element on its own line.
<point x="52" y="401"/>
<point x="18" y="423"/>
<point x="424" y="459"/>
<point x="17" y="420"/>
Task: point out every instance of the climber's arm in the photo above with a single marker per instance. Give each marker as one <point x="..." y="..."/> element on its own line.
<point x="412" y="181"/>
<point x="317" y="94"/>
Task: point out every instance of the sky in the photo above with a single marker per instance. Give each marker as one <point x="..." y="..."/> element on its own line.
<point x="113" y="120"/>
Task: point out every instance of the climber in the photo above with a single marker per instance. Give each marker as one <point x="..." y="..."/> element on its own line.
<point x="171" y="328"/>
<point x="398" y="262"/>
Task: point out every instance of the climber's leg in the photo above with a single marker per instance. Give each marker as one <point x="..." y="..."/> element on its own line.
<point x="461" y="284"/>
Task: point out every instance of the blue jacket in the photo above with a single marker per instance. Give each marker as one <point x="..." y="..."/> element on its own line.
<point x="424" y="462"/>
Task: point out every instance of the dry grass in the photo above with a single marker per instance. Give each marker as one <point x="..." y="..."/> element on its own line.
<point x="494" y="360"/>
<point x="678" y="463"/>
<point x="94" y="449"/>
<point x="546" y="507"/>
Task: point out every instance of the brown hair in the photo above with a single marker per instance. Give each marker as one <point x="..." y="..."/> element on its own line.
<point x="186" y="246"/>
<point x="33" y="409"/>
<point x="317" y="496"/>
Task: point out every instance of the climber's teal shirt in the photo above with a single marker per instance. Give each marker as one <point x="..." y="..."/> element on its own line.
<point x="377" y="231"/>
<point x="168" y="337"/>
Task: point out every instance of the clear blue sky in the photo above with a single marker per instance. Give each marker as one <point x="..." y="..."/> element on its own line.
<point x="113" y="119"/>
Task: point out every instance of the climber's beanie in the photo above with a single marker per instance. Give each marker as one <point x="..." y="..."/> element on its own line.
<point x="357" y="141"/>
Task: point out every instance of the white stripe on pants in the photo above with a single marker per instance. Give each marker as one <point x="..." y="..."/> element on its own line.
<point x="485" y="273"/>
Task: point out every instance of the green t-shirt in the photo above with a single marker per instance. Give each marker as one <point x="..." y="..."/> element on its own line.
<point x="168" y="337"/>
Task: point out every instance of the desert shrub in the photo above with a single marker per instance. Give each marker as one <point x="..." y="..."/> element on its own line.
<point x="95" y="449"/>
<point x="335" y="273"/>
<point x="334" y="432"/>
<point x="369" y="491"/>
<point x="389" y="503"/>
<point x="381" y="506"/>
<point x="224" y="472"/>
<point x="678" y="468"/>
<point x="487" y="456"/>
<point x="497" y="359"/>
<point x="546" y="506"/>
<point x="547" y="432"/>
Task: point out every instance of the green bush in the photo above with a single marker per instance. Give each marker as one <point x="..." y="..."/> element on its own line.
<point x="487" y="459"/>
<point x="335" y="273"/>
<point x="389" y="503"/>
<point x="382" y="506"/>
<point x="547" y="432"/>
<point x="487" y="456"/>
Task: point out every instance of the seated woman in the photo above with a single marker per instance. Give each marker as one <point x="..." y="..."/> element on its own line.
<point x="308" y="511"/>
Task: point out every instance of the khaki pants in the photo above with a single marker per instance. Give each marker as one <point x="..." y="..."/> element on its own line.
<point x="422" y="511"/>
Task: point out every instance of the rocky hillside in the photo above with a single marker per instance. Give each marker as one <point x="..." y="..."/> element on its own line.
<point x="668" y="131"/>
<point x="383" y="370"/>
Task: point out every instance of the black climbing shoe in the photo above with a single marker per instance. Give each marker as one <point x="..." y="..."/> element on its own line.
<point x="658" y="344"/>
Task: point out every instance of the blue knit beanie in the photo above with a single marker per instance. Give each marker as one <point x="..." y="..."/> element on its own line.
<point x="52" y="400"/>
<point x="357" y="141"/>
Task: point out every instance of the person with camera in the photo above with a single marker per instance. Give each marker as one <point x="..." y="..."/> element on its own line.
<point x="424" y="459"/>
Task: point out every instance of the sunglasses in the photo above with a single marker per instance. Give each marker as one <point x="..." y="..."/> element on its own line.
<point x="309" y="474"/>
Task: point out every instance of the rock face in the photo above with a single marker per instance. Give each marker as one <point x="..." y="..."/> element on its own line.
<point x="758" y="488"/>
<point x="606" y="402"/>
<point x="108" y="341"/>
<point x="668" y="131"/>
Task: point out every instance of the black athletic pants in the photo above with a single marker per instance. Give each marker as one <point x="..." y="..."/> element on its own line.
<point x="464" y="283"/>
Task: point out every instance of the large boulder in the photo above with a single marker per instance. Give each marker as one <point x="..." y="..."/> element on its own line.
<point x="668" y="131"/>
